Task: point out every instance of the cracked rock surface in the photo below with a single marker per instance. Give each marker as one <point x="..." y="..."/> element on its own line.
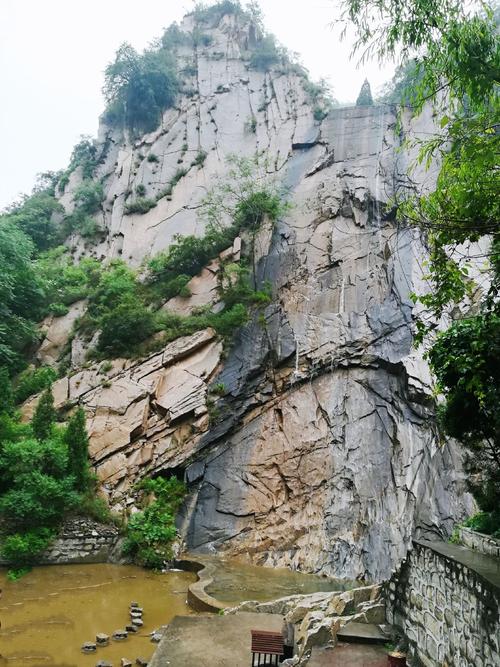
<point x="323" y="454"/>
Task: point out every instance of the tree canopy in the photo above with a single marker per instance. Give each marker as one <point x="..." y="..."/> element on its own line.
<point x="138" y="88"/>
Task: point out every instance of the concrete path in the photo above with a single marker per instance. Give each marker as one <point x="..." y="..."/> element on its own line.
<point x="212" y="641"/>
<point x="349" y="655"/>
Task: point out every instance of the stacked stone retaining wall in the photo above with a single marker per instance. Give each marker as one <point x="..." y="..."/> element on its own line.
<point x="446" y="601"/>
<point x="483" y="543"/>
<point x="82" y="540"/>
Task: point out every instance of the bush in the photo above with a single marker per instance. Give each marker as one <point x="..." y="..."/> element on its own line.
<point x="140" y="190"/>
<point x="141" y="205"/>
<point x="57" y="309"/>
<point x="199" y="160"/>
<point x="138" y="88"/>
<point x="319" y="113"/>
<point x="33" y="381"/>
<point x="266" y="54"/>
<point x="36" y="490"/>
<point x="88" y="197"/>
<point x="153" y="158"/>
<point x="250" y="212"/>
<point x="36" y="216"/>
<point x="23" y="549"/>
<point x="188" y="255"/>
<point x="123" y="327"/>
<point x="251" y="125"/>
<point x="485" y="522"/>
<point x="180" y="173"/>
<point x="212" y="14"/>
<point x="150" y="533"/>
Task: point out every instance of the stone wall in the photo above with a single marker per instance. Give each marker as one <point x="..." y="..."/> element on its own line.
<point x="483" y="543"/>
<point x="446" y="601"/>
<point x="82" y="540"/>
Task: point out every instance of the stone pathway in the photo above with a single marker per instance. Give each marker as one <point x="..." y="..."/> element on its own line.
<point x="212" y="641"/>
<point x="349" y="655"/>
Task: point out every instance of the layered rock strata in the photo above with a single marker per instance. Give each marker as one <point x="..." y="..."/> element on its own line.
<point x="320" y="449"/>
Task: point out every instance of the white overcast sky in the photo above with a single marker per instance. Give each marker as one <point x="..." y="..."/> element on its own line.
<point x="53" y="53"/>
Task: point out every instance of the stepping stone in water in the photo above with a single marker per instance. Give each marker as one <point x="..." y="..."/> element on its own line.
<point x="138" y="622"/>
<point x="125" y="662"/>
<point x="156" y="637"/>
<point x="89" y="647"/>
<point x="120" y="635"/>
<point x="131" y="628"/>
<point x="142" y="662"/>
<point x="136" y="610"/>
<point x="103" y="663"/>
<point x="102" y="639"/>
<point x="134" y="604"/>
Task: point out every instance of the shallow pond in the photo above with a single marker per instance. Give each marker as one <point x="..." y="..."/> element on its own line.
<point x="48" y="614"/>
<point x="234" y="582"/>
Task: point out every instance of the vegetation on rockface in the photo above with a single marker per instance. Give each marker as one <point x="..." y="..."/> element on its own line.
<point x="151" y="532"/>
<point x="139" y="87"/>
<point x="44" y="474"/>
<point x="450" y="58"/>
<point x="36" y="216"/>
<point x="399" y="89"/>
<point x="365" y="98"/>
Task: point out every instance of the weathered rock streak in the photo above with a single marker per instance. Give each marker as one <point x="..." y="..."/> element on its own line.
<point x="325" y="455"/>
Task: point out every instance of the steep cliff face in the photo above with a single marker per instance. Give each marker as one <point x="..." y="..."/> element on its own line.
<point x="324" y="455"/>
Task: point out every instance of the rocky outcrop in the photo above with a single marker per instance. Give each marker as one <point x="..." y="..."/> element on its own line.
<point x="319" y="617"/>
<point x="319" y="451"/>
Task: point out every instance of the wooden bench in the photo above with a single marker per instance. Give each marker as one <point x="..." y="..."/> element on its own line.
<point x="267" y="648"/>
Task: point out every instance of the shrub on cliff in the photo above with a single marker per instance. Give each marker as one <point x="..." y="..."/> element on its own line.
<point x="44" y="417"/>
<point x="37" y="215"/>
<point x="21" y="294"/>
<point x="127" y="324"/>
<point x="77" y="442"/>
<point x="32" y="381"/>
<point x="150" y="533"/>
<point x="138" y="88"/>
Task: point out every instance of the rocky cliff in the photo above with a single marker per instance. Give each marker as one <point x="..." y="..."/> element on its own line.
<point x="324" y="454"/>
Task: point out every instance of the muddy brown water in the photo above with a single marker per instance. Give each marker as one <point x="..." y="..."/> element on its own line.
<point x="49" y="613"/>
<point x="234" y="582"/>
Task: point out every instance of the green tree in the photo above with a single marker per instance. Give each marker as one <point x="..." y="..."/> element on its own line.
<point x="45" y="416"/>
<point x="139" y="87"/>
<point x="6" y="394"/>
<point x="365" y="98"/>
<point x="466" y="361"/>
<point x="21" y="294"/>
<point x="37" y="489"/>
<point x="77" y="441"/>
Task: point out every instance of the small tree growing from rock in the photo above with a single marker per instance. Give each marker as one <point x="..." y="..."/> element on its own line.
<point x="365" y="98"/>
<point x="76" y="439"/>
<point x="44" y="417"/>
